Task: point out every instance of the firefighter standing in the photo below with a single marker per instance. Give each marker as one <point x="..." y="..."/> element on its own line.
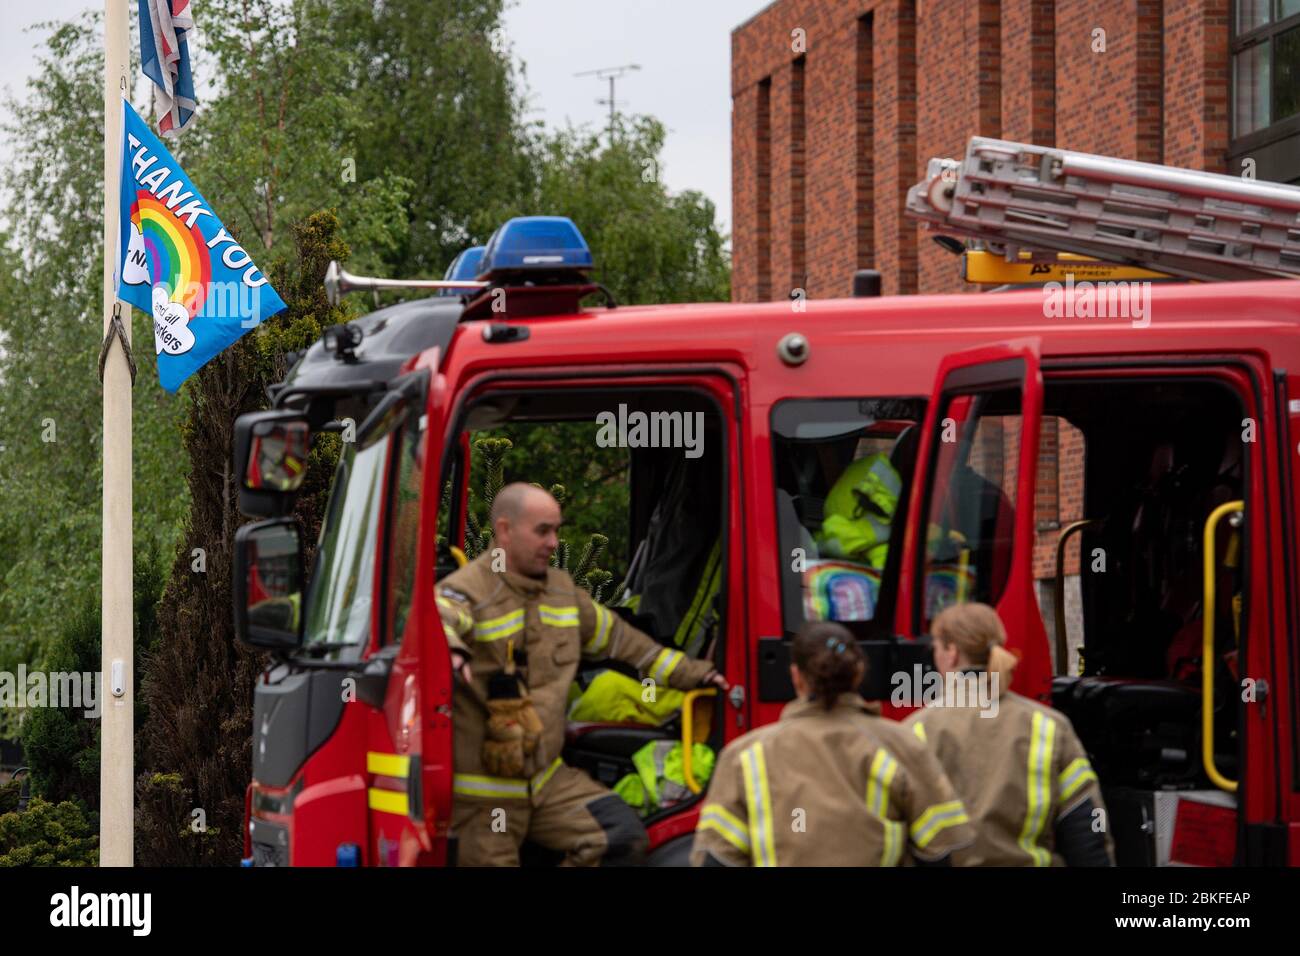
<point x="516" y="632"/>
<point x="1017" y="764"/>
<point x="832" y="783"/>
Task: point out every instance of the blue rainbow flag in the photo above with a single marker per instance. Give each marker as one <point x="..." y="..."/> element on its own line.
<point x="177" y="262"/>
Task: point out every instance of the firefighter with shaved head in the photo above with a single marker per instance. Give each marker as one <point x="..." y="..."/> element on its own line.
<point x="517" y="629"/>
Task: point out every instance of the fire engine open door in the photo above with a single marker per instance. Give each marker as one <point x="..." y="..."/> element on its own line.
<point x="971" y="512"/>
<point x="417" y="706"/>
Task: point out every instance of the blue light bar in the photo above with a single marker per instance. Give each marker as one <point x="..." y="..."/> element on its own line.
<point x="536" y="244"/>
<point x="463" y="269"/>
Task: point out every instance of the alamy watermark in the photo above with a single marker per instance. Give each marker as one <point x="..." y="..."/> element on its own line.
<point x="922" y="688"/>
<point x="1098" y="300"/>
<point x="133" y="911"/>
<point x="624" y="429"/>
<point x="63" y="689"/>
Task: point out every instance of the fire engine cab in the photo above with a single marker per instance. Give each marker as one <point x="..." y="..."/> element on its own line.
<point x="1163" y="622"/>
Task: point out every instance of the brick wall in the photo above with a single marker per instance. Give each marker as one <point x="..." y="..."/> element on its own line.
<point x="839" y="104"/>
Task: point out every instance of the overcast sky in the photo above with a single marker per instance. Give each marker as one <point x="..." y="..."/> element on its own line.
<point x="682" y="46"/>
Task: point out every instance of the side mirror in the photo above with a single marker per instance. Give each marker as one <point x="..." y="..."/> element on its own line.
<point x="271" y="450"/>
<point x="268" y="586"/>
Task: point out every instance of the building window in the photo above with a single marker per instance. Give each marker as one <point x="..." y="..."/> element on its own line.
<point x="1286" y="73"/>
<point x="1265" y="50"/>
<point x="1251" y="88"/>
<point x="1265" y="63"/>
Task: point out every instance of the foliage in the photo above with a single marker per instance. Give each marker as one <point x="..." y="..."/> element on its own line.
<point x="488" y="460"/>
<point x="649" y="245"/>
<point x="50" y="329"/>
<point x="442" y="96"/>
<point x="61" y="745"/>
<point x="9" y="795"/>
<point x="49" y="834"/>
<point x="278" y="142"/>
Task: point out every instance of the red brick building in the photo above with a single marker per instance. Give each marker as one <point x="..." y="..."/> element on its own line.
<point x="837" y="105"/>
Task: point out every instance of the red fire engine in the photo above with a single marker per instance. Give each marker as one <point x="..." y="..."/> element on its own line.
<point x="1173" y="644"/>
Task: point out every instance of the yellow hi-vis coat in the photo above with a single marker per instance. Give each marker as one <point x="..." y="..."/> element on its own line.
<point x="1022" y="773"/>
<point x="844" y="787"/>
<point x="554" y="623"/>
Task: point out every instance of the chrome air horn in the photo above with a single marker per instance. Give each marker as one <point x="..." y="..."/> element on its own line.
<point x="339" y="282"/>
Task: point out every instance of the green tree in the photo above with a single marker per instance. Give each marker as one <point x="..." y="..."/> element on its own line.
<point x="649" y="245"/>
<point x="61" y="744"/>
<point x="278" y="143"/>
<point x="49" y="834"/>
<point x="196" y="750"/>
<point x="445" y="108"/>
<point x="50" y="330"/>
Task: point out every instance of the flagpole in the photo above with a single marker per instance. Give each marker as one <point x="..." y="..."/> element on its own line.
<point x="117" y="733"/>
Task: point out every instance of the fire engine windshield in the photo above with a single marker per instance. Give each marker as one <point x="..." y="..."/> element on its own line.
<point x="342" y="582"/>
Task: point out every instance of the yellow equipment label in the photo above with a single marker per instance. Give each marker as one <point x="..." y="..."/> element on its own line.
<point x="988" y="267"/>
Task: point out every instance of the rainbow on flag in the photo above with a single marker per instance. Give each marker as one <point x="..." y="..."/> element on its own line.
<point x="177" y="262"/>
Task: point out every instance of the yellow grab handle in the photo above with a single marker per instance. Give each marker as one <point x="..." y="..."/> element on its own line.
<point x="459" y="555"/>
<point x="688" y="712"/>
<point x="963" y="564"/>
<point x="1207" y="649"/>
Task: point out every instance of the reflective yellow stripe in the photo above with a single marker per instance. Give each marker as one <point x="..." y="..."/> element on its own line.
<point x="539" y="779"/>
<point x="1078" y="773"/>
<point x="726" y="824"/>
<point x="604" y="624"/>
<point x="708" y="587"/>
<point x="665" y="664"/>
<point x="935" y="820"/>
<point x="918" y="728"/>
<point x="388" y="765"/>
<point x="499" y="627"/>
<point x="463" y="621"/>
<point x="388" y="801"/>
<point x="893" y="852"/>
<point x="759" y="802"/>
<point x="1038" y="793"/>
<point x="883" y="768"/>
<point x="558" y="616"/>
<point x="476" y="785"/>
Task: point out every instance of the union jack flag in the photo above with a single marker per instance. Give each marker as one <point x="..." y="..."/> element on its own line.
<point x="165" y="59"/>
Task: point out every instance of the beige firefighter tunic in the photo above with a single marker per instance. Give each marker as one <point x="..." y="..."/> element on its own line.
<point x="1019" y="772"/>
<point x="840" y="788"/>
<point x="554" y="623"/>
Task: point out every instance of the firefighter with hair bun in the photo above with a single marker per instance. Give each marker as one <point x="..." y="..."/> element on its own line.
<point x="1017" y="764"/>
<point x="832" y="783"/>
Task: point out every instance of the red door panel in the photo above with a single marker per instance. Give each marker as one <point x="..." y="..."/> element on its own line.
<point x="970" y="527"/>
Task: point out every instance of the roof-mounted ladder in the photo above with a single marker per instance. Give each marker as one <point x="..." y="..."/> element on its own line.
<point x="1015" y="196"/>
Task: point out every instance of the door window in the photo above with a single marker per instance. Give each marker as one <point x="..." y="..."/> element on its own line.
<point x="969" y="528"/>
